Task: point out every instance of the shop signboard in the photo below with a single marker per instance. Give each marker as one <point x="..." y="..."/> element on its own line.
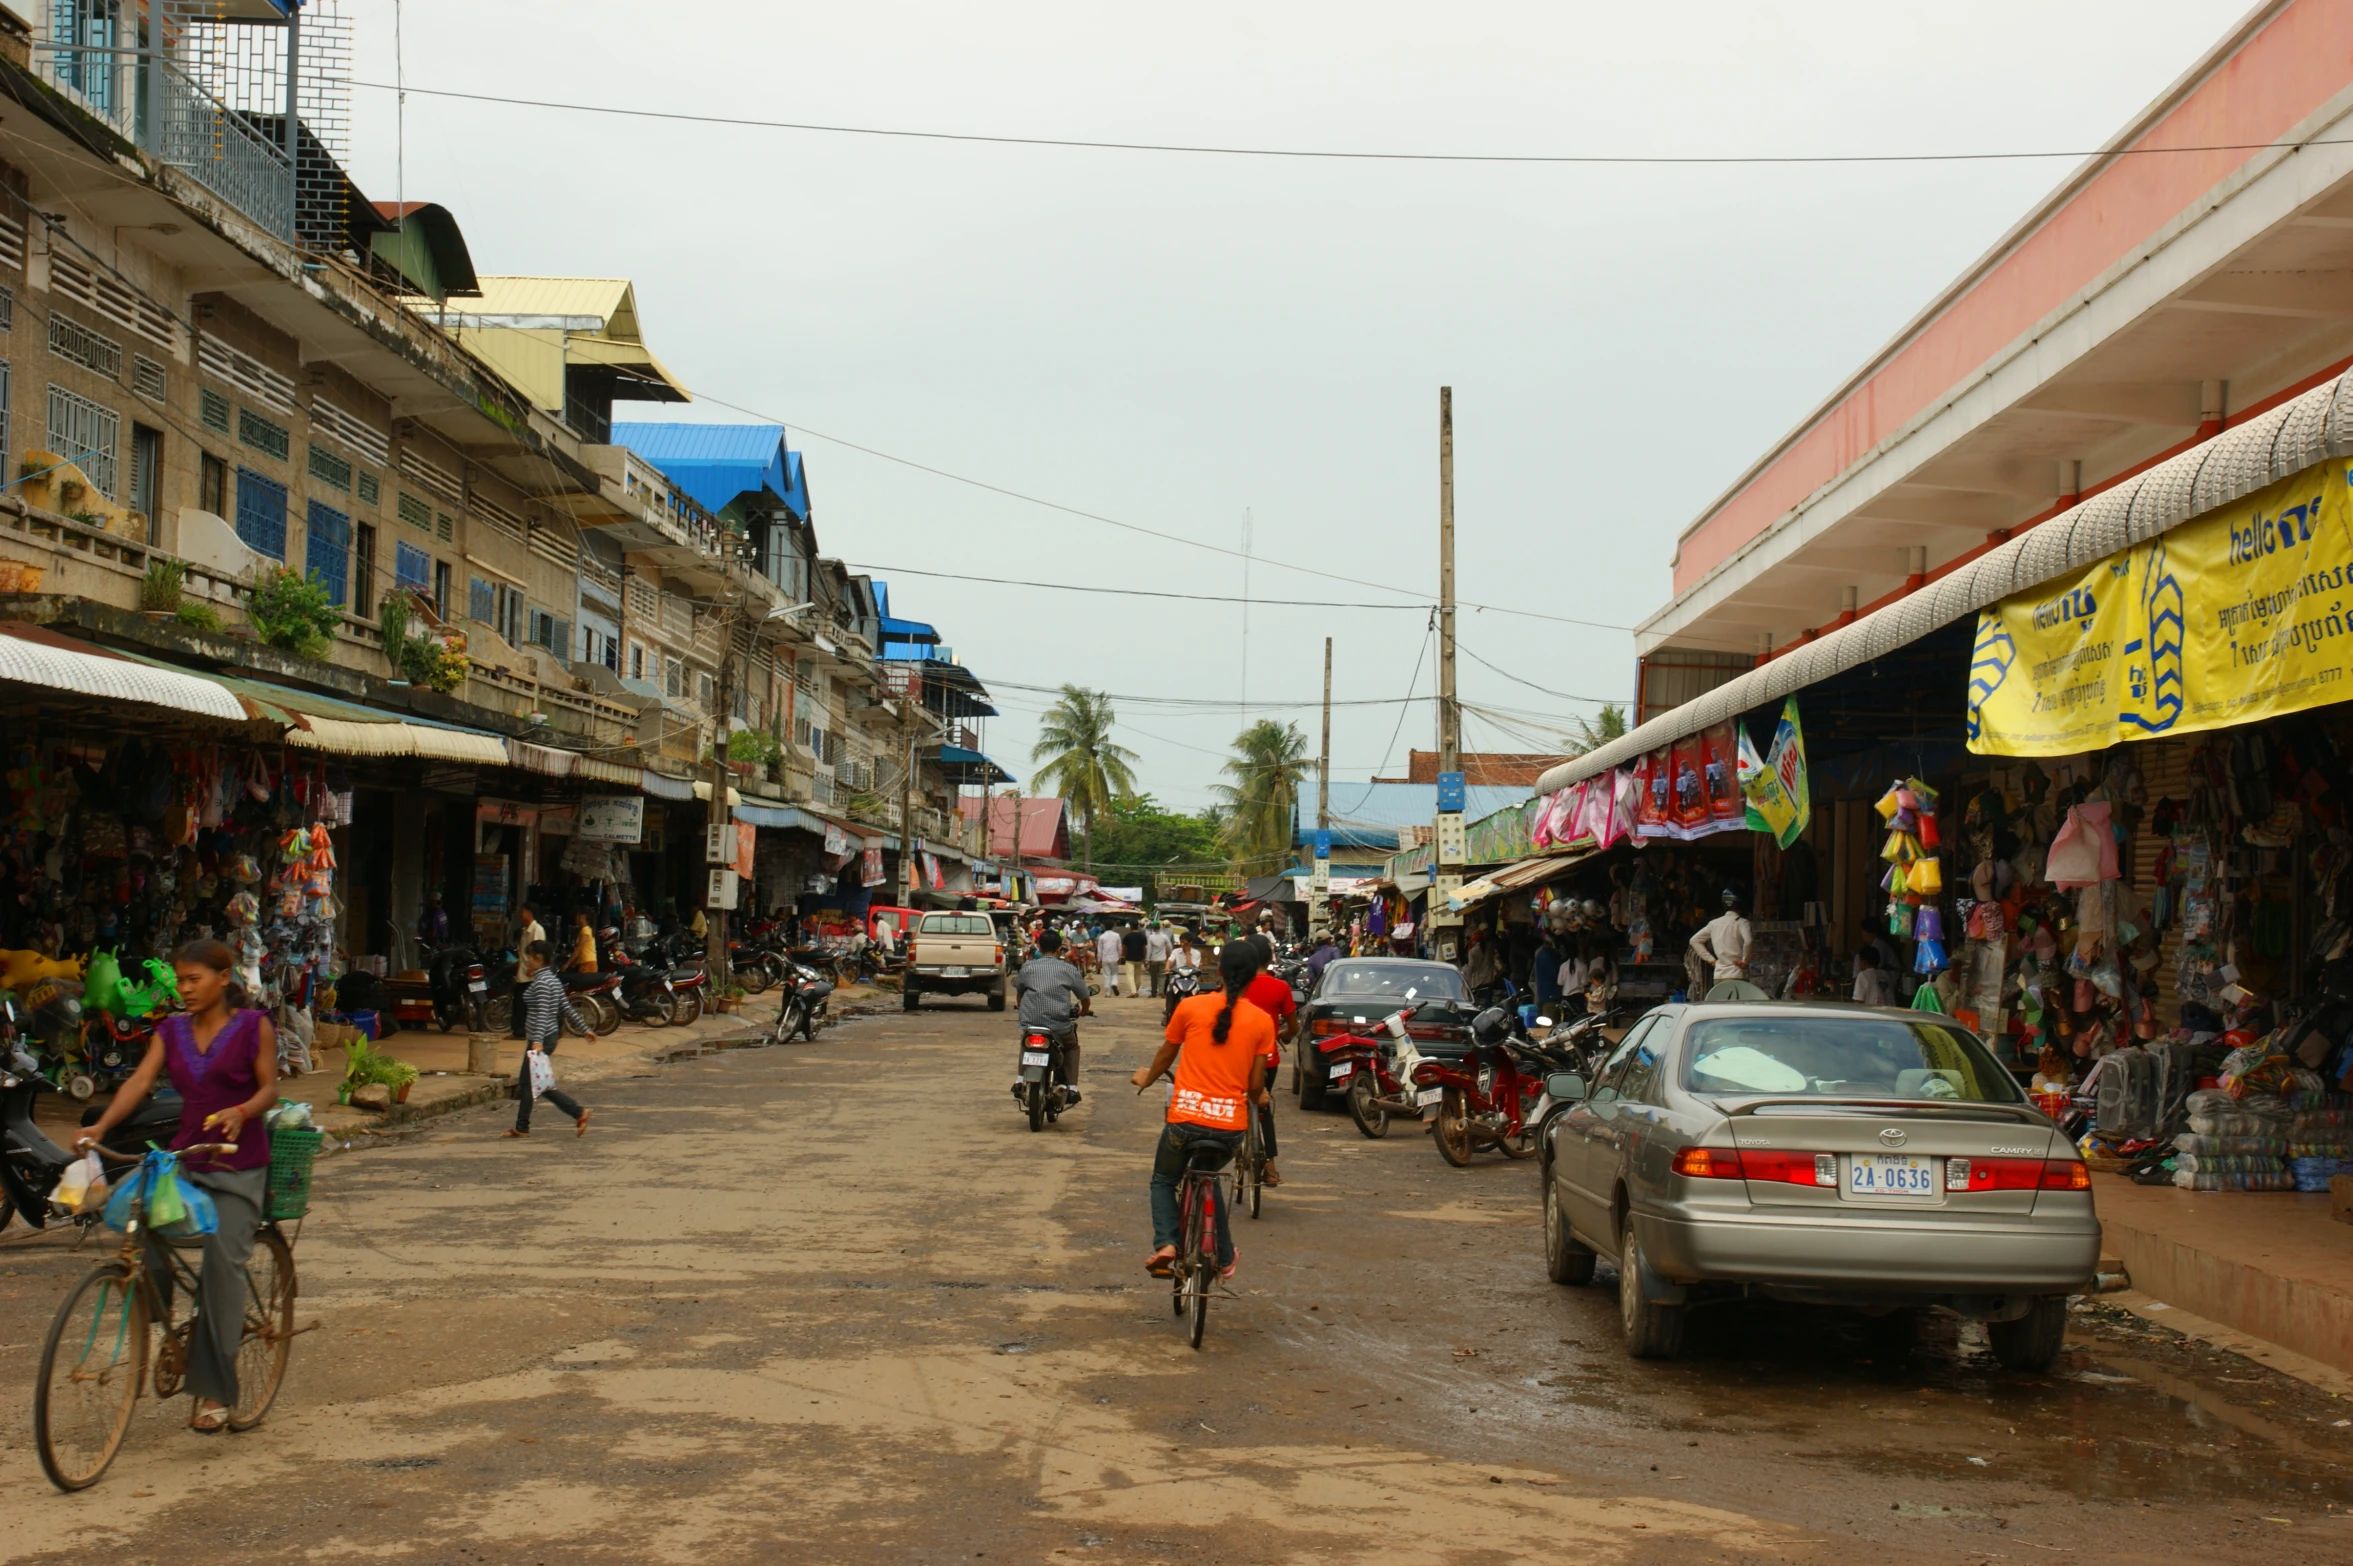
<point x="837" y="842"/>
<point x="613" y="818"/>
<point x="747" y="843"/>
<point x="1691" y="789"/>
<point x="2241" y="615"/>
<point x="559" y="820"/>
<point x="1774" y="786"/>
<point x="870" y="868"/>
<point x="490" y="888"/>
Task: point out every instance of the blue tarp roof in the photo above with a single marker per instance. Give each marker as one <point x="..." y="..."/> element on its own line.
<point x="715" y="463"/>
<point x="896" y="630"/>
<point x="1367" y="815"/>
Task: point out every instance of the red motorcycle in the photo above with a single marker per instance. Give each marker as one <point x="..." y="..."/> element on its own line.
<point x="1374" y="1074"/>
<point x="1485" y="1098"/>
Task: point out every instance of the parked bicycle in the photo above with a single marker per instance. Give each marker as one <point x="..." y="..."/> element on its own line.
<point x="95" y="1358"/>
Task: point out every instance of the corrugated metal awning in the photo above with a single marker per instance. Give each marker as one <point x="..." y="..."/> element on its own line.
<point x="30" y="655"/>
<point x="1532" y="871"/>
<point x="660" y="785"/>
<point x="543" y="759"/>
<point x="609" y="772"/>
<point x="2314" y="428"/>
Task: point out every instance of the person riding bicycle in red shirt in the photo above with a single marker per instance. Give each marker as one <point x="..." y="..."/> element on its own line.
<point x="1219" y="1048"/>
<point x="1271" y="995"/>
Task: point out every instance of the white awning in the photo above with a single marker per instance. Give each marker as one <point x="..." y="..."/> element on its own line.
<point x="2300" y="433"/>
<point x="339" y="737"/>
<point x="28" y="662"/>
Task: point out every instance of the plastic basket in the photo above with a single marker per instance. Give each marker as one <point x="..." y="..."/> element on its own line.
<point x="292" y="1153"/>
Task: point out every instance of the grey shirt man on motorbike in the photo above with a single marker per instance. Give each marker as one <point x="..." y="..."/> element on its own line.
<point x="1053" y="994"/>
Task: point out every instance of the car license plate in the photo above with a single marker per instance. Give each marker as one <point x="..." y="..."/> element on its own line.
<point x="1429" y="1096"/>
<point x="1343" y="1071"/>
<point x="1035" y="1058"/>
<point x="1890" y="1174"/>
<point x="478" y="985"/>
<point x="955" y="973"/>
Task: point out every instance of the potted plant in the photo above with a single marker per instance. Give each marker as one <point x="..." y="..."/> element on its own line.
<point x="733" y="1000"/>
<point x="160" y="589"/>
<point x="399" y="1076"/>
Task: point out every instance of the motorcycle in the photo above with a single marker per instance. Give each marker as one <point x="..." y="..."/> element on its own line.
<point x="591" y="995"/>
<point x="803" y="1004"/>
<point x="1041" y="1097"/>
<point x="1486" y="1098"/>
<point x="650" y="991"/>
<point x="31" y="1163"/>
<point x="458" y="982"/>
<point x="1375" y="1074"/>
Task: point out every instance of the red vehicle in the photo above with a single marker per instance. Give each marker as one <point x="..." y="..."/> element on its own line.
<point x="1374" y="1072"/>
<point x="1485" y="1098"/>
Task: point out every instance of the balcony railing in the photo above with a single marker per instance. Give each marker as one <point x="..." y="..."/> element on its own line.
<point x="152" y="103"/>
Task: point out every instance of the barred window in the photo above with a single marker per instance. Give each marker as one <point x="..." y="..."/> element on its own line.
<point x="261" y="513"/>
<point x="481" y="600"/>
<point x="215" y="410"/>
<point x="328" y="468"/>
<point x="415" y="512"/>
<point x="5" y="378"/>
<point x="70" y="339"/>
<point x="264" y="435"/>
<point x="369" y="490"/>
<point x="85" y="434"/>
<point x="327" y="551"/>
<point x="412" y="568"/>
<point x="442" y="526"/>
<point x="7" y="310"/>
<point x="147" y="378"/>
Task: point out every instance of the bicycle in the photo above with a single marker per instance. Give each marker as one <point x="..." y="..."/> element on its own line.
<point x="1250" y="1166"/>
<point x="1195" y="1272"/>
<point x="95" y="1357"/>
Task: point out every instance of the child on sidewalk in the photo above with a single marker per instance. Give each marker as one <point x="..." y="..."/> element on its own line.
<point x="545" y="1009"/>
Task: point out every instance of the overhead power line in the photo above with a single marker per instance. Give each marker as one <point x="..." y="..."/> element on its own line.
<point x="1132" y="592"/>
<point x="1352" y="155"/>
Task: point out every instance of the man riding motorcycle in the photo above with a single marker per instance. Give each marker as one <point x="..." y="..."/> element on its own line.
<point x="1047" y="986"/>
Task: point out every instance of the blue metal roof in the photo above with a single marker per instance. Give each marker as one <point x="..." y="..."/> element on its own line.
<point x="717" y="463"/>
<point x="1367" y="815"/>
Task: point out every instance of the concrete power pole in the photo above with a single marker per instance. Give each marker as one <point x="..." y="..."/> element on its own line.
<point x="1447" y="849"/>
<point x="907" y="867"/>
<point x="714" y="917"/>
<point x="1319" y="885"/>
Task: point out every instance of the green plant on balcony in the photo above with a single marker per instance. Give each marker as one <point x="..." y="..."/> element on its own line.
<point x="437" y="663"/>
<point x="292" y="612"/>
<point x="197" y="615"/>
<point x="161" y="587"/>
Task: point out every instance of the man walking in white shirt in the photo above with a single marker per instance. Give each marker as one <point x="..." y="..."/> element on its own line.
<point x="1108" y="947"/>
<point x="1158" y="944"/>
<point x="1724" y="942"/>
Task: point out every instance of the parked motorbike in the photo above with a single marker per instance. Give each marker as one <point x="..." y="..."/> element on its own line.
<point x="30" y="1162"/>
<point x="1376" y="1073"/>
<point x="803" y="1004"/>
<point x="1487" y="1098"/>
<point x="651" y="991"/>
<point x="458" y="982"/>
<point x="1041" y="1097"/>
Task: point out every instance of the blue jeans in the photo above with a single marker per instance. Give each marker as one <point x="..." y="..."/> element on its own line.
<point x="1177" y="1141"/>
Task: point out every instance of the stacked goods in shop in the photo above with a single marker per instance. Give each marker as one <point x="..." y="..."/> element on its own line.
<point x="2234" y="1143"/>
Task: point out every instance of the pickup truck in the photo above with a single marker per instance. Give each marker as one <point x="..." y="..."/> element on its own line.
<point x="955" y="954"/>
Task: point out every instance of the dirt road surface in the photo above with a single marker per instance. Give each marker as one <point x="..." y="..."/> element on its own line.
<point x="835" y="1302"/>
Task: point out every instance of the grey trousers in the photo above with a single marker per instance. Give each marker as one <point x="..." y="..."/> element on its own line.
<point x="221" y="1287"/>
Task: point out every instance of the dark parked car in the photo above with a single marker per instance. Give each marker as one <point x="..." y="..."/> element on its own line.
<point x="1822" y="1154"/>
<point x="1355" y="993"/>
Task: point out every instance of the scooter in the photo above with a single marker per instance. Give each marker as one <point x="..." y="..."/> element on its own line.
<point x="30" y="1162"/>
<point x="803" y="1004"/>
<point x="1041" y="1097"/>
<point x="1376" y="1074"/>
<point x="459" y="984"/>
<point x="1486" y="1098"/>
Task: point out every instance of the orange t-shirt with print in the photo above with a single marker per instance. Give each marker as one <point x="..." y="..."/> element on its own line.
<point x="1213" y="1079"/>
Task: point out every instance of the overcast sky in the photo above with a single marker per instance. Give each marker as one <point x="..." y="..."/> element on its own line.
<point x="1199" y="344"/>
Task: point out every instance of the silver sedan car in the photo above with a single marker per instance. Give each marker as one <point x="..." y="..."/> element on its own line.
<point x="1818" y="1153"/>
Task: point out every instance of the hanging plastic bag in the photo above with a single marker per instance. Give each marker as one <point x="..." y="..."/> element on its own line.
<point x="1926" y="877"/>
<point x="1899" y="920"/>
<point x="543" y="1072"/>
<point x="1924" y="998"/>
<point x="1889" y="804"/>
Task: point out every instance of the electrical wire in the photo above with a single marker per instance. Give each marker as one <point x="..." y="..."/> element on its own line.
<point x="1572" y="159"/>
<point x="1531" y="684"/>
<point x="1131" y="592"/>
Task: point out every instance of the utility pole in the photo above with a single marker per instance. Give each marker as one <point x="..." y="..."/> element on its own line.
<point x="714" y="917"/>
<point x="1319" y="884"/>
<point x="907" y="878"/>
<point x="1447" y="849"/>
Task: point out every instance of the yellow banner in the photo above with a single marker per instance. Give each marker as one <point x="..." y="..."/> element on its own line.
<point x="2240" y="615"/>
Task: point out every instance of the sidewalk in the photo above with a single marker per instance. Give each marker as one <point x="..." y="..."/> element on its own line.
<point x="2272" y="1265"/>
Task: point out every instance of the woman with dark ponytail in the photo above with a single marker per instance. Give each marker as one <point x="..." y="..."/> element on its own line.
<point x="1218" y="1047"/>
<point x="224" y="1060"/>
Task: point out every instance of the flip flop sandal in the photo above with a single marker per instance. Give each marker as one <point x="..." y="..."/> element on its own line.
<point x="511" y="1131"/>
<point x="209" y="1421"/>
<point x="1160" y="1266"/>
<point x="580" y="1126"/>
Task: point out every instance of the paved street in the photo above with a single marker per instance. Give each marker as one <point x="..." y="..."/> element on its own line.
<point x="835" y="1303"/>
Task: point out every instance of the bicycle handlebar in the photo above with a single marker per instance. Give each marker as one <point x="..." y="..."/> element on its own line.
<point x="109" y="1153"/>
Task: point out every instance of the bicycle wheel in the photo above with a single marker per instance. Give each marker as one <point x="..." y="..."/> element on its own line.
<point x="1202" y="1275"/>
<point x="91" y="1364"/>
<point x="269" y="1328"/>
<point x="1250" y="1183"/>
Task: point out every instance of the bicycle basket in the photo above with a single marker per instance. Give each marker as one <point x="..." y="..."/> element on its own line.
<point x="292" y="1153"/>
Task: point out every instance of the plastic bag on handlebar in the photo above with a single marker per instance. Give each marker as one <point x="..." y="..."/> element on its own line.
<point x="172" y="1202"/>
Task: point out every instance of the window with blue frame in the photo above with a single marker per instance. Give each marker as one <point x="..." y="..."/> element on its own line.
<point x="412" y="569"/>
<point x="261" y="513"/>
<point x="327" y="553"/>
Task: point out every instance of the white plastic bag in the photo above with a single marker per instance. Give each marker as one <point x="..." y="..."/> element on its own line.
<point x="543" y="1072"/>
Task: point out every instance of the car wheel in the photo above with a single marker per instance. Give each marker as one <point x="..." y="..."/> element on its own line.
<point x="1653" y="1331"/>
<point x="2032" y="1341"/>
<point x="910" y="998"/>
<point x="1891" y="1338"/>
<point x="996" y="1000"/>
<point x="1311" y="1088"/>
<point x="1565" y="1261"/>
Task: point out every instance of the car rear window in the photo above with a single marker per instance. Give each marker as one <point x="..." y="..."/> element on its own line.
<point x="1365" y="978"/>
<point x="1843" y="1057"/>
<point x="957" y="924"/>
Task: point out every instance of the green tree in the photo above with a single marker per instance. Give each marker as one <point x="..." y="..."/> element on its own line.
<point x="1078" y="762"/>
<point x="1136" y="832"/>
<point x="1593" y="733"/>
<point x="1269" y="761"/>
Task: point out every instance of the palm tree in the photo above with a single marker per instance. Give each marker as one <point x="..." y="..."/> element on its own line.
<point x="1269" y="761"/>
<point x="1080" y="763"/>
<point x="1593" y="733"/>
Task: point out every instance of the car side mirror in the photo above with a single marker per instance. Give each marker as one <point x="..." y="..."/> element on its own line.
<point x="1565" y="1086"/>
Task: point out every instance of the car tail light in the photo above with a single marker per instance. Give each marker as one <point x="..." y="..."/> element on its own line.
<point x="1708" y="1163"/>
<point x="1432" y="1030"/>
<point x="997" y="955"/>
<point x="2017" y="1174"/>
<point x="1725" y="1163"/>
<point x="1326" y="1027"/>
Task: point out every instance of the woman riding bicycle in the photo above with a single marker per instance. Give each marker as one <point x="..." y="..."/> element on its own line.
<point x="1219" y="1048"/>
<point x="223" y="1058"/>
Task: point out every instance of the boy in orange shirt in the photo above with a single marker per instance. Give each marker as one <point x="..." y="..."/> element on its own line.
<point x="1219" y="1049"/>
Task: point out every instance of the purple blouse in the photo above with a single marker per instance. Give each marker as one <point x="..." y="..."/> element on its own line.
<point x="213" y="1080"/>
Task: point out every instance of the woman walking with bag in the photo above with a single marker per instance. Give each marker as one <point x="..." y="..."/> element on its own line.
<point x="223" y="1059"/>
<point x="545" y="1009"/>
